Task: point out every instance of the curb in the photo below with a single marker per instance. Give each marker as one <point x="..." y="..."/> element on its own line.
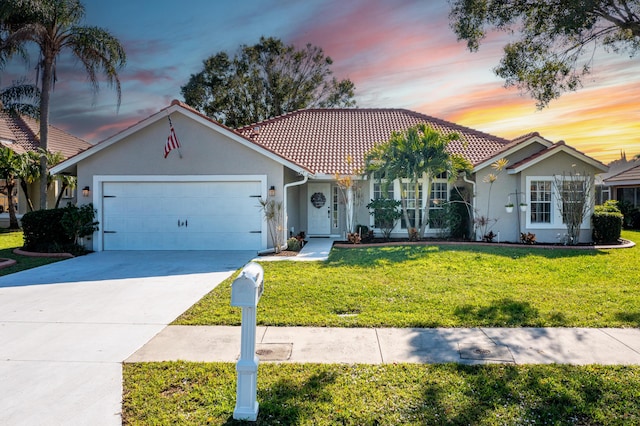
<point x="36" y="254"/>
<point x="5" y="263"/>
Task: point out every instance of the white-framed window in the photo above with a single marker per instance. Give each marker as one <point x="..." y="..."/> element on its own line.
<point x="541" y="201"/>
<point x="378" y="191"/>
<point x="414" y="201"/>
<point x="439" y="197"/>
<point x="545" y="210"/>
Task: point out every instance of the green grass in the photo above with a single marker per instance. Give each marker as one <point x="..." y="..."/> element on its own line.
<point x="444" y="286"/>
<point x="404" y="394"/>
<point x="13" y="240"/>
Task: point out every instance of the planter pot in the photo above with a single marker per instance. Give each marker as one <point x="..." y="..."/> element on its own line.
<point x="509" y="209"/>
<point x="523" y="207"/>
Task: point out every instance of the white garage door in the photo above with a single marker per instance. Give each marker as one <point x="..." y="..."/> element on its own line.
<point x="181" y="215"/>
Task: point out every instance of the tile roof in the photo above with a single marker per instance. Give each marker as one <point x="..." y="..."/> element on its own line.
<point x="21" y="133"/>
<point x="321" y="139"/>
<point x="632" y="174"/>
<point x="560" y="145"/>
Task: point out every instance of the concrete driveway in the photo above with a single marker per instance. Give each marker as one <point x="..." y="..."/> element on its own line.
<point x="65" y="328"/>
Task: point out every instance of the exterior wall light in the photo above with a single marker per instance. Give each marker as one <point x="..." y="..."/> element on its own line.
<point x="272" y="191"/>
<point x="86" y="191"/>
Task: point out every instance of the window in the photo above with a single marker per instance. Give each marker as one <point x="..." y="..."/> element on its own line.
<point x="573" y="199"/>
<point x="439" y="196"/>
<point x="540" y="196"/>
<point x="378" y="191"/>
<point x="414" y="201"/>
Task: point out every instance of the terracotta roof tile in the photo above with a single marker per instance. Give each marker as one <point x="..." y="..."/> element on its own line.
<point x="23" y="133"/>
<point x="632" y="174"/>
<point x="321" y="139"/>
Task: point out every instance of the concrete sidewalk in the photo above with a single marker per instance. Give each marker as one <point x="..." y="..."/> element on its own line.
<point x="577" y="346"/>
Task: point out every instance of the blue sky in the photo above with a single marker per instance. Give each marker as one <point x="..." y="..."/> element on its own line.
<point x="399" y="54"/>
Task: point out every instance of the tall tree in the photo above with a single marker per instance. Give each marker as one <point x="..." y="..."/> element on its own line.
<point x="9" y="163"/>
<point x="28" y="172"/>
<point x="555" y="38"/>
<point x="54" y="27"/>
<point x="418" y="155"/>
<point x="265" y="80"/>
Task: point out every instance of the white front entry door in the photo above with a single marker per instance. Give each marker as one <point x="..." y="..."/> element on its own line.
<point x="319" y="208"/>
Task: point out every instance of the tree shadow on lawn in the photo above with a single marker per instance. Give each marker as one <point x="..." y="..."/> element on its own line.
<point x="287" y="402"/>
<point x="527" y="394"/>
<point x="380" y="254"/>
<point x="500" y="313"/>
<point x="631" y="318"/>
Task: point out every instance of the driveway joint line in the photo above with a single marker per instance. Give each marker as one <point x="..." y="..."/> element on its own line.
<point x="379" y="345"/>
<point x="618" y="340"/>
<point x="264" y="334"/>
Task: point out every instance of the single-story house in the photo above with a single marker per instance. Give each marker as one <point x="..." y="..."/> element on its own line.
<point x="20" y="134"/>
<point x="205" y="194"/>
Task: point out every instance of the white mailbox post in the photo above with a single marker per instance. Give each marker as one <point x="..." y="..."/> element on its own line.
<point x="245" y="293"/>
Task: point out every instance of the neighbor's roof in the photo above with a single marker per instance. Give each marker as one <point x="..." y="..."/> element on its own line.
<point x="628" y="176"/>
<point x="322" y="139"/>
<point x="22" y="133"/>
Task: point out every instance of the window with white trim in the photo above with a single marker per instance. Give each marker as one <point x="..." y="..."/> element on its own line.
<point x="414" y="201"/>
<point x="574" y="194"/>
<point x="439" y="197"/>
<point x="541" y="201"/>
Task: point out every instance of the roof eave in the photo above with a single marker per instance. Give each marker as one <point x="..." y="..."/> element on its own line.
<point x="65" y="166"/>
<point x="515" y="148"/>
<point x="556" y="149"/>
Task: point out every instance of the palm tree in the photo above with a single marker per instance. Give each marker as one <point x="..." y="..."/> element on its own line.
<point x="9" y="163"/>
<point x="418" y="154"/>
<point x="28" y="172"/>
<point x="21" y="98"/>
<point x="54" y="26"/>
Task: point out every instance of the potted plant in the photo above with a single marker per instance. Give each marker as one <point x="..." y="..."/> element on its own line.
<point x="509" y="207"/>
<point x="523" y="207"/>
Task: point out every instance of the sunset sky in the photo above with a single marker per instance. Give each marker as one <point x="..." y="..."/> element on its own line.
<point x="399" y="54"/>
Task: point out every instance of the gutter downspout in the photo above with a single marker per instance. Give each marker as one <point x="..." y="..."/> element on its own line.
<point x="473" y="200"/>
<point x="285" y="200"/>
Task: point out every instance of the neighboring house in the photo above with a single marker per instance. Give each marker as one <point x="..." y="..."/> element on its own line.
<point x="20" y="134"/>
<point x="624" y="185"/>
<point x="205" y="195"/>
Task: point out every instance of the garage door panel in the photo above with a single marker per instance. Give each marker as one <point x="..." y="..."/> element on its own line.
<point x="182" y="215"/>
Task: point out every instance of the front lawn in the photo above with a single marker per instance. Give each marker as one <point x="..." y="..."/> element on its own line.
<point x="444" y="286"/>
<point x="12" y="240"/>
<point x="406" y="394"/>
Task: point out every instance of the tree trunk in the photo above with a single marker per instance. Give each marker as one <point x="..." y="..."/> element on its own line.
<point x="64" y="186"/>
<point x="47" y="74"/>
<point x="427" y="196"/>
<point x="13" y="220"/>
<point x="25" y="189"/>
<point x="405" y="213"/>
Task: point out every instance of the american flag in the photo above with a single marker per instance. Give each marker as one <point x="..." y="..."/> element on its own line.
<point x="172" y="141"/>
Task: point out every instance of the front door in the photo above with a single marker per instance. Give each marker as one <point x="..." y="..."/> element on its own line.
<point x="319" y="208"/>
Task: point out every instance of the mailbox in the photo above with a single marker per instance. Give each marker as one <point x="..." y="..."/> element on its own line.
<point x="248" y="287"/>
<point x="245" y="293"/>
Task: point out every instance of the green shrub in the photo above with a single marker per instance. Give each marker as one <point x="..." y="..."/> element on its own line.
<point x="43" y="231"/>
<point x="386" y="213"/>
<point x="293" y="244"/>
<point x="460" y="217"/>
<point x="58" y="230"/>
<point x="78" y="222"/>
<point x="607" y="223"/>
